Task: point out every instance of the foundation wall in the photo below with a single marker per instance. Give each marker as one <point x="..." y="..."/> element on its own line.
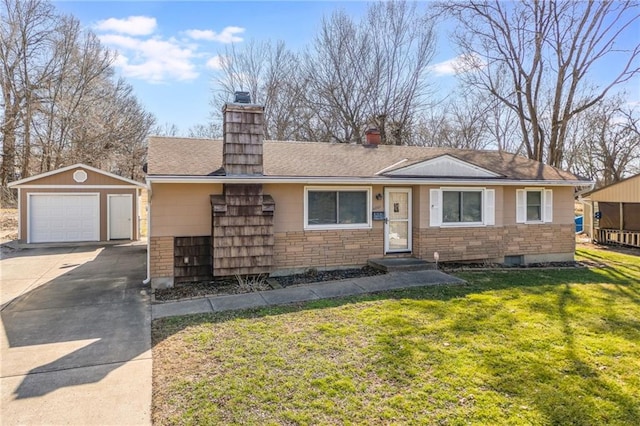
<point x="494" y="243"/>
<point x="161" y="261"/>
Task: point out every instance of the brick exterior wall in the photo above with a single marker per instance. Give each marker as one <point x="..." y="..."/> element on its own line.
<point x="539" y="239"/>
<point x="161" y="257"/>
<point x="492" y="243"/>
<point x="319" y="249"/>
<point x="326" y="248"/>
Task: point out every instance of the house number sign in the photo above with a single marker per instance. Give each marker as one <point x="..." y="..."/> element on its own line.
<point x="378" y="215"/>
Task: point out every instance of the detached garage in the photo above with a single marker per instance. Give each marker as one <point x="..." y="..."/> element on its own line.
<point x="78" y="203"/>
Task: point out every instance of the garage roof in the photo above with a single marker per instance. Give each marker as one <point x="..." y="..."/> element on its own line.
<point x="32" y="179"/>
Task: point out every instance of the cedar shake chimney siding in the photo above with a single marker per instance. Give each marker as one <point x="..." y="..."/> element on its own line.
<point x="243" y="135"/>
<point x="242" y="231"/>
<point x="242" y="240"/>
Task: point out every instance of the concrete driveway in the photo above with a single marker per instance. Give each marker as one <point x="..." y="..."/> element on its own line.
<point x="75" y="344"/>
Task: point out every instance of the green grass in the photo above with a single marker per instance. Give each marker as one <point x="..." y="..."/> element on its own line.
<point x="517" y="347"/>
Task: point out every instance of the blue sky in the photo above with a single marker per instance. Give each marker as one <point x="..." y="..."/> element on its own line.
<point x="168" y="49"/>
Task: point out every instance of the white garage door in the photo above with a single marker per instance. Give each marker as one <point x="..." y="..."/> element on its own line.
<point x="63" y="218"/>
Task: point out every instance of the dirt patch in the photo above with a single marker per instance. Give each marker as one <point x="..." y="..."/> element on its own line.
<point x="8" y="224"/>
<point x="614" y="248"/>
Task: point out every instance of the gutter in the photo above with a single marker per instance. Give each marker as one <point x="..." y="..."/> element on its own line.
<point x="360" y="180"/>
<point x="586" y="191"/>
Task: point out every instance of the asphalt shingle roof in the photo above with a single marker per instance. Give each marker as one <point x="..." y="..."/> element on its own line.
<point x="201" y="157"/>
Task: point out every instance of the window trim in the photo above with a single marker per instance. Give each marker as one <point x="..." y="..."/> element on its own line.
<point x="488" y="201"/>
<point x="308" y="227"/>
<point x="454" y="224"/>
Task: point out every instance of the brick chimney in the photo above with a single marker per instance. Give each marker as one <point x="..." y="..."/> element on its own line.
<point x="372" y="138"/>
<point x="243" y="127"/>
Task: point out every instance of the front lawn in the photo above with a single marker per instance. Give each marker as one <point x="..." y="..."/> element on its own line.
<point x="515" y="347"/>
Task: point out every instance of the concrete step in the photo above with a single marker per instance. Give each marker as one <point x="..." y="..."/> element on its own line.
<point x="390" y="264"/>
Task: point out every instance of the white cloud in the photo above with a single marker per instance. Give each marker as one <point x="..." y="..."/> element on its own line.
<point x="154" y="59"/>
<point x="214" y="63"/>
<point x="228" y="35"/>
<point x="133" y="25"/>
<point x="457" y="65"/>
<point x="146" y="55"/>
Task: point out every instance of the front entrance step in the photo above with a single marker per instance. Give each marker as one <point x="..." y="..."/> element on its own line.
<point x="390" y="264"/>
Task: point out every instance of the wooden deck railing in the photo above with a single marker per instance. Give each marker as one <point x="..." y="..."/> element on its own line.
<point x="615" y="236"/>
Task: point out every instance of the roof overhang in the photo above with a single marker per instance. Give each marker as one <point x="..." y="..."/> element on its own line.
<point x="378" y="180"/>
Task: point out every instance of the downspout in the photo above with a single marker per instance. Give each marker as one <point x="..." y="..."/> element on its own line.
<point x="589" y="202"/>
<point x="148" y="279"/>
<point x="593" y="212"/>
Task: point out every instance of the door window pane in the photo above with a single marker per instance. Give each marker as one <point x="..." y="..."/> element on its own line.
<point x="398" y="235"/>
<point x="398" y="205"/>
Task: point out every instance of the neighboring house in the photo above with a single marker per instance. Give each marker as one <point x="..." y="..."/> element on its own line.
<point x="612" y="213"/>
<point x="241" y="206"/>
<point x="77" y="203"/>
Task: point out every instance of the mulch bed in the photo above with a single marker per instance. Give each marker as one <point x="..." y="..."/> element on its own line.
<point x="454" y="266"/>
<point x="217" y="287"/>
<point x="225" y="286"/>
<point x="314" y="276"/>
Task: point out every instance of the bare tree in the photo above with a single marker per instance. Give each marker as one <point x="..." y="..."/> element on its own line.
<point x="166" y="129"/>
<point x="468" y="119"/>
<point x="403" y="42"/>
<point x="605" y="142"/>
<point x="335" y="72"/>
<point x="536" y="57"/>
<point x="370" y="73"/>
<point x="25" y="28"/>
<point x="210" y="130"/>
<point x="269" y="72"/>
<point x="355" y="75"/>
<point x="60" y="101"/>
<point x="79" y="69"/>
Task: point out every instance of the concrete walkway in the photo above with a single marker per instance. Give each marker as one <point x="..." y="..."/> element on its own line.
<point x="75" y="342"/>
<point x="303" y="293"/>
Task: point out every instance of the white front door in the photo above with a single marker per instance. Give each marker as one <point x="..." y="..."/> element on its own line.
<point x="397" y="228"/>
<point x="120" y="216"/>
